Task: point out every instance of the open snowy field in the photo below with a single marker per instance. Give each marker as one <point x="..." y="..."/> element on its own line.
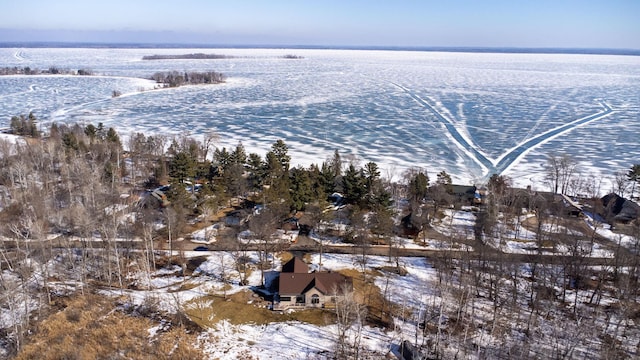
<point x="471" y="114"/>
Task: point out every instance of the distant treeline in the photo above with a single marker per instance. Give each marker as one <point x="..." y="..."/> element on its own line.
<point x="198" y="56"/>
<point x="201" y="56"/>
<point x="175" y="79"/>
<point x="51" y="70"/>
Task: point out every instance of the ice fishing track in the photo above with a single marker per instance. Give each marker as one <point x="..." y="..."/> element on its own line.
<point x="512" y="155"/>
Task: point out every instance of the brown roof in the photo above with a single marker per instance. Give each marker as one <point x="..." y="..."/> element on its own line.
<point x="295" y="265"/>
<point x="294" y="283"/>
<point x="295" y="279"/>
<point x="325" y="282"/>
<point x="330" y="283"/>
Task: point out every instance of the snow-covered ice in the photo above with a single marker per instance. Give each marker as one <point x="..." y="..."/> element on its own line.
<point x="460" y="112"/>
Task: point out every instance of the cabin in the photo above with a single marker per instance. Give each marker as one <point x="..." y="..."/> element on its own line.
<point x="298" y="288"/>
<point x="466" y="194"/>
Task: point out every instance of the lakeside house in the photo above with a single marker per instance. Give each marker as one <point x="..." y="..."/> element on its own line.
<point x="468" y="194"/>
<point x="298" y="288"/>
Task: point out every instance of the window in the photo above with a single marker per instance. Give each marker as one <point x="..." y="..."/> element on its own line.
<point x="300" y="299"/>
<point x="315" y="299"/>
<point x="285" y="298"/>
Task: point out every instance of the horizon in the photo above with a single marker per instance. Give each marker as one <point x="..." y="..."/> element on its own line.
<point x="250" y="23"/>
<point x="470" y="49"/>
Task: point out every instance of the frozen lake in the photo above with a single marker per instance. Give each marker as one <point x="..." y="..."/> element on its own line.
<point x="471" y="114"/>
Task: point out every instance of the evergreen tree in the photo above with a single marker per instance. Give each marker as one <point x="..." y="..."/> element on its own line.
<point x="376" y="195"/>
<point x="70" y="141"/>
<point x="634" y="176"/>
<point x="276" y="170"/>
<point x="239" y="156"/>
<point x="16" y="125"/>
<point x="101" y="131"/>
<point x="222" y="159"/>
<point x="301" y="188"/>
<point x="335" y="164"/>
<point x="354" y="185"/>
<point x="418" y="187"/>
<point x="112" y="137"/>
<point x="279" y="153"/>
<point x="327" y="179"/>
<point x="372" y="176"/>
<point x="276" y="180"/>
<point x="91" y="131"/>
<point x="32" y="126"/>
<point x="256" y="169"/>
<point x="317" y="184"/>
<point x="234" y="180"/>
<point x="182" y="167"/>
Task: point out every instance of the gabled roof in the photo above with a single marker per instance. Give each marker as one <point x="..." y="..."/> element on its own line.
<point x="620" y="209"/>
<point x="330" y="283"/>
<point x="295" y="284"/>
<point x="326" y="282"/>
<point x="295" y="265"/>
<point x="295" y="279"/>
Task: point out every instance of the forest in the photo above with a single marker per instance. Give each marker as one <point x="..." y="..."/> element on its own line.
<point x="64" y="195"/>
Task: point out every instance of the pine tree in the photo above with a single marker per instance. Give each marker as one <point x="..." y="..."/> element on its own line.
<point x="301" y="188"/>
<point x="634" y="176"/>
<point x="279" y="151"/>
<point x="354" y="185"/>
<point x="182" y="167"/>
<point x="112" y="137"/>
<point x="418" y="187"/>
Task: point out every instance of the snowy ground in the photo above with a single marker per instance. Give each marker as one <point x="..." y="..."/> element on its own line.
<point x="418" y="292"/>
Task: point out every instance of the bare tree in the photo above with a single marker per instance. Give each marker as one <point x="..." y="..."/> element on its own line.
<point x="350" y="316"/>
<point x="262" y="226"/>
<point x="314" y="215"/>
<point x="620" y="183"/>
<point x="240" y="258"/>
<point x="560" y="170"/>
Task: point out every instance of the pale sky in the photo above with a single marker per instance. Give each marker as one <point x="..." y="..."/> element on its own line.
<point x="481" y="23"/>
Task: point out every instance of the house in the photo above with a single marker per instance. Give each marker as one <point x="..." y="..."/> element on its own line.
<point x="299" y="288"/>
<point x="619" y="209"/>
<point x="237" y="217"/>
<point x="466" y="194"/>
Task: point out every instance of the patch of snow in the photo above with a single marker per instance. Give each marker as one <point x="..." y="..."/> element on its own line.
<point x="206" y="235"/>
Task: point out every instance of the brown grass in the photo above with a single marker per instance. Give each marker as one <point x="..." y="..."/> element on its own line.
<point x="88" y="327"/>
<point x="244" y="308"/>
<point x="368" y="294"/>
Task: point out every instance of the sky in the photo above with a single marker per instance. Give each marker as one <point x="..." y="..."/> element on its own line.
<point x="613" y="24"/>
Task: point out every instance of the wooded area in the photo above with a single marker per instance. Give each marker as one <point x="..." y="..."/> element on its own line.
<point x="63" y="196"/>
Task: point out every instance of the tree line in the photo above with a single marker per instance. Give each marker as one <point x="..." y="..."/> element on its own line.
<point x="175" y="78"/>
<point x="196" y="56"/>
<point x="52" y="70"/>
